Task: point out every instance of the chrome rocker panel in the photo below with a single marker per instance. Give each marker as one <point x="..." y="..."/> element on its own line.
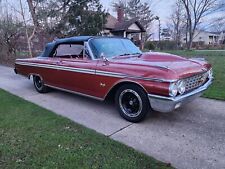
<point x="169" y="104"/>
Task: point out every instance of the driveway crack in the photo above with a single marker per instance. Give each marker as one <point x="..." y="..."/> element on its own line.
<point x="120" y="129"/>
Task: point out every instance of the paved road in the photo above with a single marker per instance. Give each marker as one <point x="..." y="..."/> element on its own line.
<point x="190" y="138"/>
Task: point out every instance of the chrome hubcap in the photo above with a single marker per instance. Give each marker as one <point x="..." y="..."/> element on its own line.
<point x="130" y="103"/>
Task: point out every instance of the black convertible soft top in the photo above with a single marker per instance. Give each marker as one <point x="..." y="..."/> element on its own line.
<point x="52" y="45"/>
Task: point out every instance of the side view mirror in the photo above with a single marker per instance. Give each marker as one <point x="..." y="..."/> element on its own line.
<point x="104" y="59"/>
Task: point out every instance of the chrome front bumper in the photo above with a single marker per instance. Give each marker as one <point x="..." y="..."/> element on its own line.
<point x="168" y="104"/>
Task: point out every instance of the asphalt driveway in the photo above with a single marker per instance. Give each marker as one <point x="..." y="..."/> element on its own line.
<point x="192" y="137"/>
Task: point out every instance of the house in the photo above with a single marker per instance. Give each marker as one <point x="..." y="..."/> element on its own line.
<point x="120" y="26"/>
<point x="202" y="37"/>
<point x="222" y="37"/>
<point x="166" y="34"/>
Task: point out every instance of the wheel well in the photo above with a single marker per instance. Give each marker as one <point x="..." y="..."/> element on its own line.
<point x="111" y="94"/>
<point x="32" y="75"/>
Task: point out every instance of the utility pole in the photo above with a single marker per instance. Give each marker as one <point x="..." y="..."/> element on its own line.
<point x="159" y="31"/>
<point x="158" y="19"/>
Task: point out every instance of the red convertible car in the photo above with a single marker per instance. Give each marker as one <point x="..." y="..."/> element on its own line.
<point x="110" y="66"/>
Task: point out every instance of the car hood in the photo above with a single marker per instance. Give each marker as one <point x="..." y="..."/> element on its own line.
<point x="168" y="66"/>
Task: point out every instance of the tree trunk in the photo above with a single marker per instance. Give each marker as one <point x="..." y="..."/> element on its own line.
<point x="36" y="30"/>
<point x="190" y="31"/>
<point x="32" y="12"/>
<point x="190" y="42"/>
<point x="26" y="29"/>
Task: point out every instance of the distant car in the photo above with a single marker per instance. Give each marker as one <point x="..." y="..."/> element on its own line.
<point x="110" y="66"/>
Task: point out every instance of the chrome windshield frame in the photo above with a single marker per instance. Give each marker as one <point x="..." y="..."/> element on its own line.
<point x="99" y="37"/>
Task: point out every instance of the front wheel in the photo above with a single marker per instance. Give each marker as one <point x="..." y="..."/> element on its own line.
<point x="132" y="102"/>
<point x="39" y="85"/>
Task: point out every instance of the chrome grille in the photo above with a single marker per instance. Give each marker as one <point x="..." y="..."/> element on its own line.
<point x="195" y="81"/>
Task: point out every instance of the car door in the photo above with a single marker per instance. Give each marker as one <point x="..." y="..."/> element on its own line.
<point x="50" y="71"/>
<point x="76" y="70"/>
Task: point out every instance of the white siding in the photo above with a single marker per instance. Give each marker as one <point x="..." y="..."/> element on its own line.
<point x="134" y="27"/>
<point x="205" y="37"/>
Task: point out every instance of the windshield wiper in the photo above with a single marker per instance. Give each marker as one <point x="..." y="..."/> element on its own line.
<point x="138" y="54"/>
<point x="128" y="54"/>
<point x="125" y="54"/>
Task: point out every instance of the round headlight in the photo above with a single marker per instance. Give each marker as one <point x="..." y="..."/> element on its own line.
<point x="173" y="89"/>
<point x="181" y="86"/>
<point x="210" y="74"/>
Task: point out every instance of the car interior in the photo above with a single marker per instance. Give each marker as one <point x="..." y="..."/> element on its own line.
<point x="71" y="51"/>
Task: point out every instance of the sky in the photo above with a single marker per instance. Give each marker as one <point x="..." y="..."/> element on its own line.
<point x="161" y="8"/>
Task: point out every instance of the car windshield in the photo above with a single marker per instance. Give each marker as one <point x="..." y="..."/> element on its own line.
<point x="113" y="47"/>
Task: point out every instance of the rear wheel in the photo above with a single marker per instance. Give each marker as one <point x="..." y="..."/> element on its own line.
<point x="39" y="85"/>
<point x="132" y="102"/>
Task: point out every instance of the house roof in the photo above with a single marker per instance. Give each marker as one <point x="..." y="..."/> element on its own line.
<point x="121" y="26"/>
<point x="111" y="21"/>
<point x="115" y="26"/>
<point x="209" y="32"/>
<point x="215" y="33"/>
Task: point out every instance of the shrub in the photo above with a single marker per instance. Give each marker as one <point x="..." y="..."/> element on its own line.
<point x="167" y="45"/>
<point x="149" y="45"/>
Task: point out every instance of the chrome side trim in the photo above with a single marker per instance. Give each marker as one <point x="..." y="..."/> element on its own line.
<point x="111" y="74"/>
<point x="48" y="66"/>
<point x="73" y="92"/>
<point x="181" y="97"/>
<point x="162" y="67"/>
<point x="91" y="71"/>
<point x="151" y="79"/>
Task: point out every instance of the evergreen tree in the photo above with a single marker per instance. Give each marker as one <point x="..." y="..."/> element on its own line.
<point x="136" y="9"/>
<point x="72" y="17"/>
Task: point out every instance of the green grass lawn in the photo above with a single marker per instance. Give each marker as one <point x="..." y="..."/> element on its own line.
<point x="33" y="137"/>
<point x="217" y="59"/>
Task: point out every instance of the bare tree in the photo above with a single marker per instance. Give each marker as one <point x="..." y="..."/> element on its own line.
<point x="10" y="31"/>
<point x="29" y="37"/>
<point x="136" y="9"/>
<point x="25" y="23"/>
<point x="196" y="10"/>
<point x="119" y="4"/>
<point x="178" y="24"/>
<point x="32" y="10"/>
